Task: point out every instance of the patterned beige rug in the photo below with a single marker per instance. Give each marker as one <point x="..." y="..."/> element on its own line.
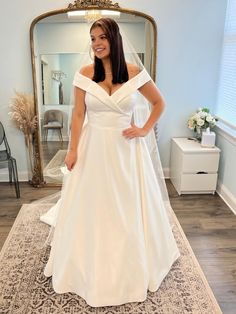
<point x="25" y="290"/>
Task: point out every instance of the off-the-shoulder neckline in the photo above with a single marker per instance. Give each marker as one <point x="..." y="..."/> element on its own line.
<point x="124" y="84"/>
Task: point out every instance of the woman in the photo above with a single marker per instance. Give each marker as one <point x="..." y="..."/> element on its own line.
<point x="112" y="240"/>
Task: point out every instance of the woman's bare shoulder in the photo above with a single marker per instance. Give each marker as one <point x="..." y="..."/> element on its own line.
<point x="87" y="70"/>
<point x="133" y="69"/>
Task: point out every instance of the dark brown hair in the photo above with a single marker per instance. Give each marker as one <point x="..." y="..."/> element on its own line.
<point x="118" y="64"/>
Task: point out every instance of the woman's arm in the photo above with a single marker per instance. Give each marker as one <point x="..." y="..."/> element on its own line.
<point x="78" y="115"/>
<point x="153" y="95"/>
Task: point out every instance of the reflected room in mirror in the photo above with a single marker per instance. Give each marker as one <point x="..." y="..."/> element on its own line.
<point x="60" y="42"/>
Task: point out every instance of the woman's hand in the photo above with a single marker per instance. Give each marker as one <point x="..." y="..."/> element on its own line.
<point x="134" y="131"/>
<point x="70" y="159"/>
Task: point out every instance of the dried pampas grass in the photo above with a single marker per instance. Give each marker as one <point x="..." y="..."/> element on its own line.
<point x="22" y="113"/>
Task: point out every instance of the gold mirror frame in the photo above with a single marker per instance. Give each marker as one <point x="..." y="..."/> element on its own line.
<point x="37" y="176"/>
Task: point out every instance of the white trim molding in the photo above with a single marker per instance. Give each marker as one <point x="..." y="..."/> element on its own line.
<point x="227" y="130"/>
<point x="166" y="172"/>
<point x="226" y="196"/>
<point x="23" y="176"/>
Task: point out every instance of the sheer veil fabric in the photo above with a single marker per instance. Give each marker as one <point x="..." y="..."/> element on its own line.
<point x="111" y="240"/>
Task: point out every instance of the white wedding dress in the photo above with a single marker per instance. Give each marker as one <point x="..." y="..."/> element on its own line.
<point x="112" y="240"/>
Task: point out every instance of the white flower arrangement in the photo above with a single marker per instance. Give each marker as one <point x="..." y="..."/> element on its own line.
<point x="201" y="119"/>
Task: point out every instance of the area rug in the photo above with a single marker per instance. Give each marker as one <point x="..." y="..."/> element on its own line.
<point x="25" y="290"/>
<point x="52" y="172"/>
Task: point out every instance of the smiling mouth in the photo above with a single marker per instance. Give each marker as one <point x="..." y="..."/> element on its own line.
<point x="99" y="49"/>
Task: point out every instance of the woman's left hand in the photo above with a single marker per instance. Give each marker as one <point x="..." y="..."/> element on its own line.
<point x="134" y="131"/>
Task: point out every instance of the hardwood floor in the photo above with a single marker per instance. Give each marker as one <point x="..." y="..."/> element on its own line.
<point x="210" y="227"/>
<point x="207" y="222"/>
<point x="10" y="205"/>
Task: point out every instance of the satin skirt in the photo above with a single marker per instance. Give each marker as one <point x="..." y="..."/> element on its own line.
<point x="112" y="240"/>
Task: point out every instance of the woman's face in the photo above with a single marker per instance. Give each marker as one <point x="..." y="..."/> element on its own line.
<point x="100" y="43"/>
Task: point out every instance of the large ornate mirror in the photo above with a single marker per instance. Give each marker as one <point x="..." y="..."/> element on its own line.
<point x="57" y="45"/>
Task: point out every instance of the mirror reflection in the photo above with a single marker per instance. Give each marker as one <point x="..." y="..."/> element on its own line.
<point x="57" y="75"/>
<point x="60" y="42"/>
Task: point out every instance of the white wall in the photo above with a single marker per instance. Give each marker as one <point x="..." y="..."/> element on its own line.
<point x="190" y="37"/>
<point x="189" y="45"/>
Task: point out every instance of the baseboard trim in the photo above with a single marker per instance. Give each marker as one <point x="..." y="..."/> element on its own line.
<point x="22" y="176"/>
<point x="227" y="196"/>
<point x="166" y="172"/>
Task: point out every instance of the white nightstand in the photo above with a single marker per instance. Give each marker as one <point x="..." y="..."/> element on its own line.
<point x="193" y="169"/>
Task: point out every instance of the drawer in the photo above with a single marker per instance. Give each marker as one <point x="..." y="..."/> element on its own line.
<point x="193" y="163"/>
<point x="198" y="182"/>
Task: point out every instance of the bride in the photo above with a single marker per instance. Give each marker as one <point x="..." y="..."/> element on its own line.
<point x="112" y="239"/>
